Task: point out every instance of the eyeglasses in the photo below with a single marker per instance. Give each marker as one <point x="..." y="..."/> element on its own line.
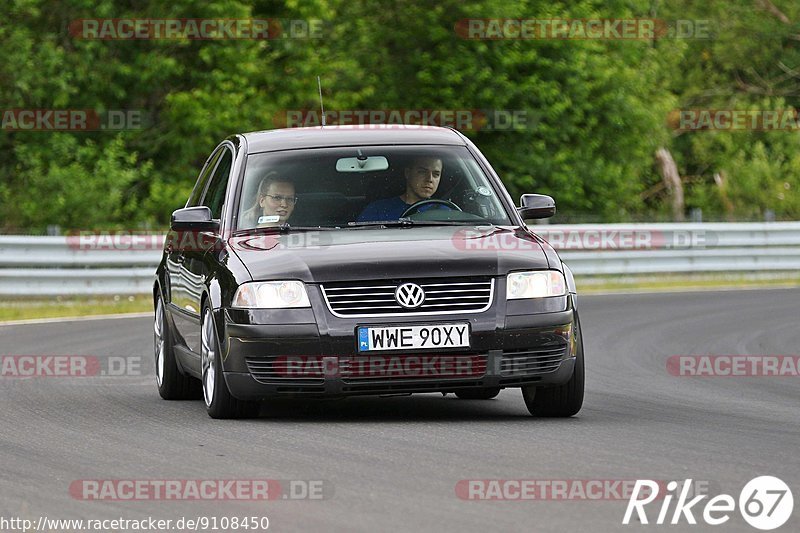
<point x="290" y="200"/>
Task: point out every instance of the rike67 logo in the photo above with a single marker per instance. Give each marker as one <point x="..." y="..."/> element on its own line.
<point x="765" y="503"/>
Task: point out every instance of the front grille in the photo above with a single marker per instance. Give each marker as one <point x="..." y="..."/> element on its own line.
<point x="284" y="370"/>
<point x="376" y="298"/>
<point x="408" y="387"/>
<point x="531" y="362"/>
<point x="380" y="368"/>
<point x="313" y="369"/>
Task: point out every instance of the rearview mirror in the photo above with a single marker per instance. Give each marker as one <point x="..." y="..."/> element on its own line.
<point x="536" y="206"/>
<point x="362" y="164"/>
<point x="193" y="219"/>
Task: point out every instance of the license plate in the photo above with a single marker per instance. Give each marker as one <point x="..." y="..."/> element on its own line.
<point x="384" y="338"/>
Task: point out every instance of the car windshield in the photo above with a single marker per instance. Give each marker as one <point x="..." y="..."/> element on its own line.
<point x="364" y="186"/>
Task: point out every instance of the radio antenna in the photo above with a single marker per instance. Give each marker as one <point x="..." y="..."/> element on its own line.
<point x="321" y="106"/>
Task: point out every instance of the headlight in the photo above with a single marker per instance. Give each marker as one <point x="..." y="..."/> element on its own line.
<point x="271" y="295"/>
<point x="537" y="284"/>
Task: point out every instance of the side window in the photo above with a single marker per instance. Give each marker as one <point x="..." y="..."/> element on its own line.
<point x="200" y="186"/>
<point x="215" y="194"/>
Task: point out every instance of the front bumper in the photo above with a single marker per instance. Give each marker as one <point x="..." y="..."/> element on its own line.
<point x="311" y="353"/>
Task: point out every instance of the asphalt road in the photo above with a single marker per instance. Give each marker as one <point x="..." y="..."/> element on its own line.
<point x="392" y="464"/>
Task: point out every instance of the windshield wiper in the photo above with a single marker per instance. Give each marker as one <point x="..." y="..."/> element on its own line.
<point x="285" y="228"/>
<point x="384" y="223"/>
<point x="407" y="222"/>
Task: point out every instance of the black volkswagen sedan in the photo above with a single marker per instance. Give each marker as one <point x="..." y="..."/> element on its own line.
<point x="374" y="260"/>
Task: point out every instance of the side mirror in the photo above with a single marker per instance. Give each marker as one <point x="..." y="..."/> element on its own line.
<point x="536" y="206"/>
<point x="193" y="219"/>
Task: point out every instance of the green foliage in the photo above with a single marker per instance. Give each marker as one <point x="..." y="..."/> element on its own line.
<point x="596" y="111"/>
<point x="749" y="64"/>
<point x="79" y="185"/>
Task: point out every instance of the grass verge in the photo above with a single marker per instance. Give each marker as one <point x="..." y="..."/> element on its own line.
<point x="685" y="282"/>
<point x="69" y="306"/>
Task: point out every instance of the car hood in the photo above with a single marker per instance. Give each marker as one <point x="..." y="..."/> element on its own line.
<point x="413" y="252"/>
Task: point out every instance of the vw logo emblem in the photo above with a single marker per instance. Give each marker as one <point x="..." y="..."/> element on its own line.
<point x="409" y="295"/>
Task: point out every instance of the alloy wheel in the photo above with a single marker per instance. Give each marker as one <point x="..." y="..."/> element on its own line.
<point x="158" y="330"/>
<point x="208" y="353"/>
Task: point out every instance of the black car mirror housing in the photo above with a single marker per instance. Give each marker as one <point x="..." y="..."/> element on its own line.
<point x="193" y="219"/>
<point x="535" y="206"/>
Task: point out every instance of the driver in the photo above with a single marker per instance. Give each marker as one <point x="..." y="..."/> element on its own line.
<point x="422" y="179"/>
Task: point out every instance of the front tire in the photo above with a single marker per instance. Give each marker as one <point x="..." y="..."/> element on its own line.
<point x="218" y="399"/>
<point x="172" y="385"/>
<point x="564" y="400"/>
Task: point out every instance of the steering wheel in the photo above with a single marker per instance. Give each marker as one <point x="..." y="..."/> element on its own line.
<point x="422" y="203"/>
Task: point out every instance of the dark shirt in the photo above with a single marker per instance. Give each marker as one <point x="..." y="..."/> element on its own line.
<point x="384" y="209"/>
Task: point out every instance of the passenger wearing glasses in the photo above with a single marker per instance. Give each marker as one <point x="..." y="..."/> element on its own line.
<point x="274" y="204"/>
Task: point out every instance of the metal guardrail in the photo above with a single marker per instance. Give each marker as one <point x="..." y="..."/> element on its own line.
<point x="67" y="265"/>
<point x="614" y="249"/>
<point x="64" y="266"/>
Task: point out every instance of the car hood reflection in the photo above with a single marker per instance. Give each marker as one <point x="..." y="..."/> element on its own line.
<point x="352" y="254"/>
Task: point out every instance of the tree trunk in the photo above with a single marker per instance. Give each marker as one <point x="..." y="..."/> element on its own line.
<point x="672" y="180"/>
<point x="721" y="179"/>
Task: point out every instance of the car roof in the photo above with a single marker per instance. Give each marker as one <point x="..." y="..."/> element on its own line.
<point x="331" y="136"/>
